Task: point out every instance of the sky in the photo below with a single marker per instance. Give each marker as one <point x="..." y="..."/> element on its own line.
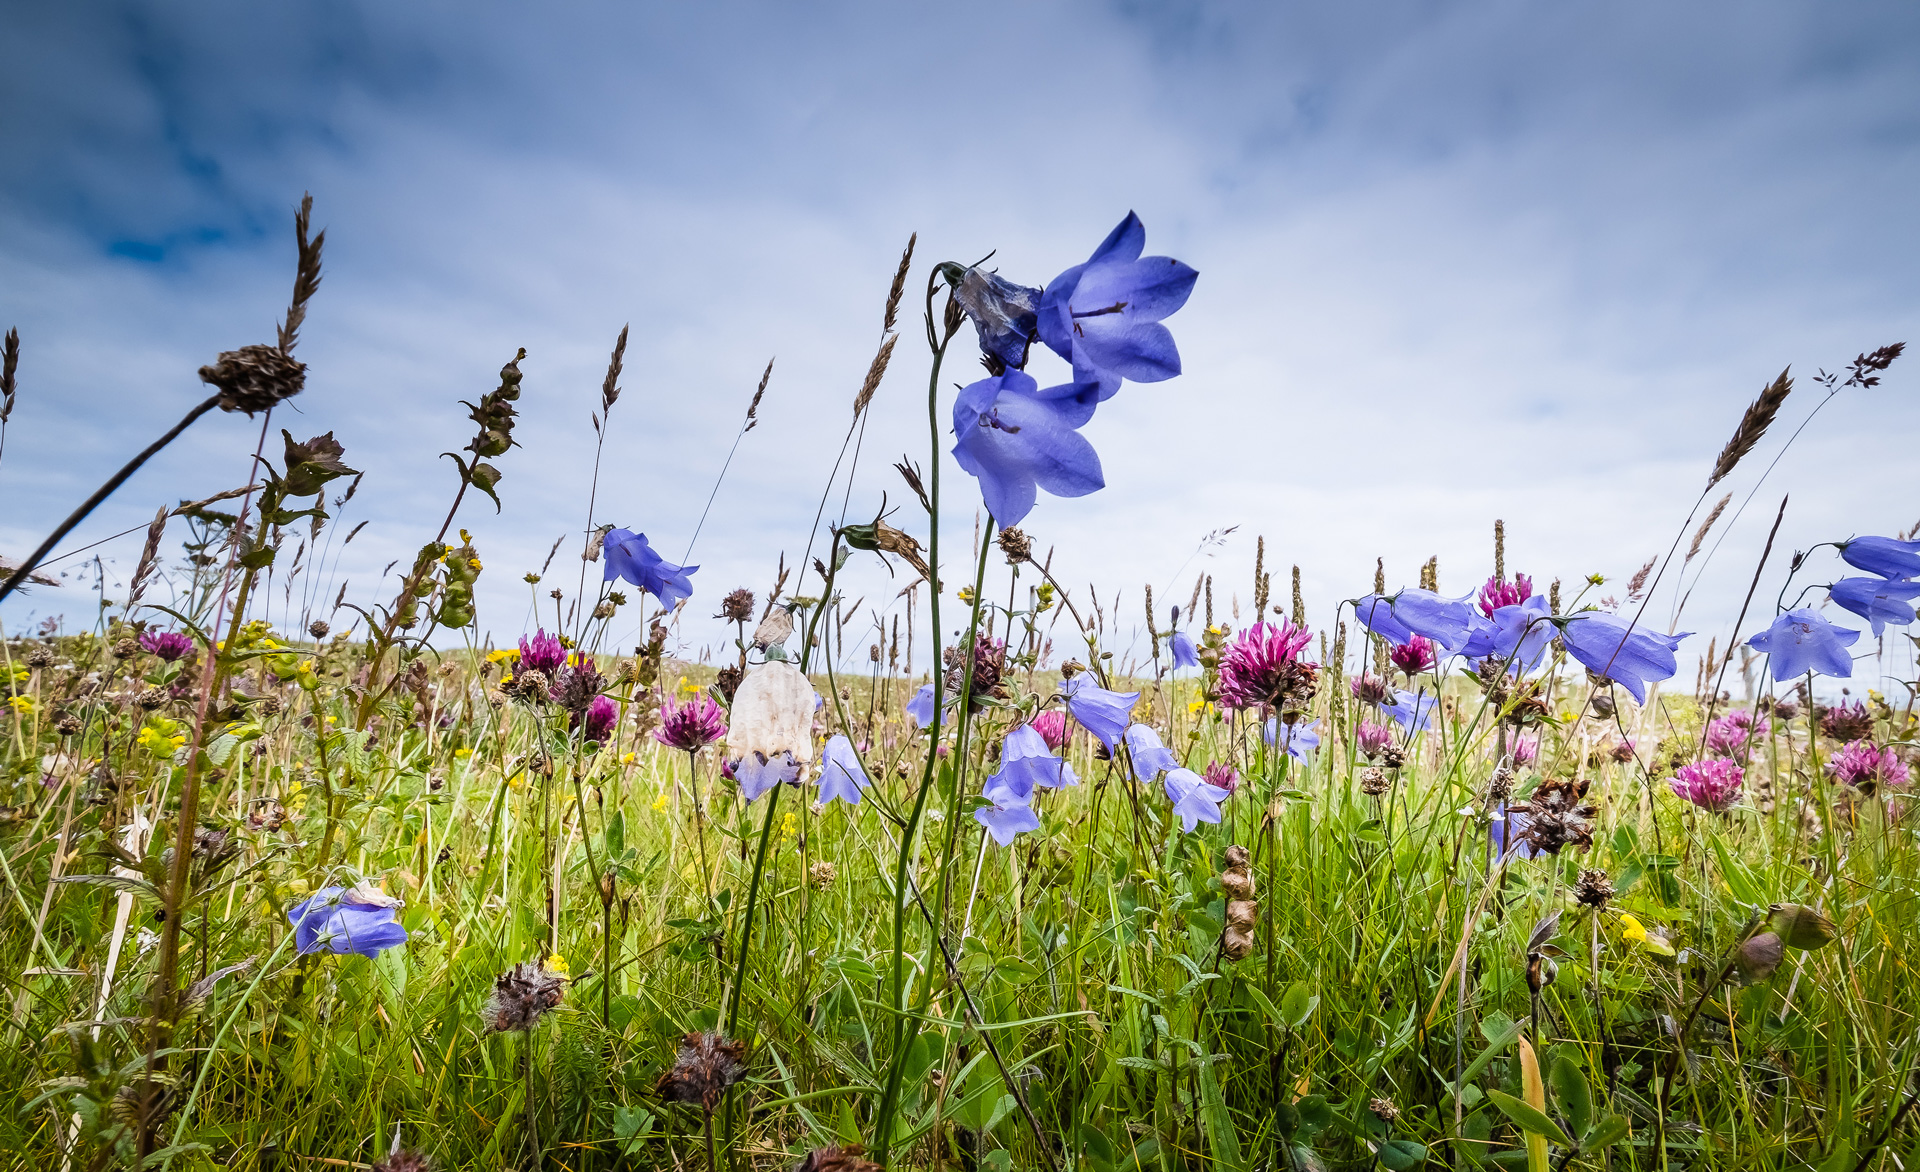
<point x="1458" y="262"/>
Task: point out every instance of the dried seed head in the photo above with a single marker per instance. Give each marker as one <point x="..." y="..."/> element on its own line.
<point x="254" y="378"/>
<point x="318" y="628"/>
<point x="837" y="1158"/>
<point x="151" y="698"/>
<point x="270" y="706"/>
<point x="728" y="681"/>
<point x="1384" y="1110"/>
<point x="125" y="648"/>
<point x="1242" y="913"/>
<point x="1071" y="668"/>
<point x="737" y="606"/>
<point x="532" y="686"/>
<point x="822" y="874"/>
<point x="1015" y="543"/>
<point x="1374" y="781"/>
<point x="703" y="1070"/>
<point x="67" y="725"/>
<point x="1236" y="943"/>
<point x="402" y="1160"/>
<point x="522" y="996"/>
<point x="1594" y="889"/>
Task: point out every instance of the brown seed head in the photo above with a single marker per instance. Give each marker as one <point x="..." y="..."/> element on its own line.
<point x="703" y="1070"/>
<point x="521" y="997"/>
<point x="837" y="1158"/>
<point x="1015" y="543"/>
<point x="254" y="378"/>
<point x="43" y="656"/>
<point x="318" y="628"/>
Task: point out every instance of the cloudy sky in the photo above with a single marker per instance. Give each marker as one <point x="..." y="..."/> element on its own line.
<point x="1458" y="262"/>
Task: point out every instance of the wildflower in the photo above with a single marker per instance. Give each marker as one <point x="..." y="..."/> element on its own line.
<point x="522" y="996"/>
<point x="403" y="1160"/>
<point x="1515" y="637"/>
<point x="1615" y="649"/>
<point x="1732" y="735"/>
<point x="1263" y="666"/>
<point x="737" y="606"/>
<point x="575" y="686"/>
<point x="989" y="661"/>
<point x="921" y="707"/>
<point x="1295" y="740"/>
<point x="1372" y="739"/>
<point x="1799" y="926"/>
<point x="1105" y="714"/>
<point x="692" y="725"/>
<point x="1195" y="800"/>
<point x="22" y="705"/>
<point x="840" y="773"/>
<point x="1713" y="784"/>
<point x="542" y="652"/>
<point x="631" y="559"/>
<point x="1801" y="641"/>
<point x="1149" y="755"/>
<point x="1848" y="720"/>
<point x="168" y="645"/>
<point x="1882" y="555"/>
<point x="1370" y="689"/>
<point x="1524" y="750"/>
<point x="1027" y="761"/>
<point x="822" y="874"/>
<point x="660" y="804"/>
<point x="1016" y="439"/>
<point x="1104" y="316"/>
<point x="771" y="740"/>
<point x="1007" y="819"/>
<point x="1498" y="592"/>
<point x="1413" y="712"/>
<point x="1864" y="764"/>
<point x="601" y="715"/>
<point x="1622" y="751"/>
<point x="1222" y="776"/>
<point x="1877" y="600"/>
<point x="1180" y="644"/>
<point x="1052" y="727"/>
<point x="360" y="920"/>
<point x="1397" y="618"/>
<point x="1414" y="656"/>
<point x="1002" y="312"/>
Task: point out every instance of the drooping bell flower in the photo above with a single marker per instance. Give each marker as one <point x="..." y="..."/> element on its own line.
<point x="1003" y="313"/>
<point x="1713" y="784"/>
<point x="920" y="708"/>
<point x="339" y="919"/>
<point x="1801" y="641"/>
<point x="691" y="726"/>
<point x="1397" y="618"/>
<point x="1414" y="712"/>
<point x="840" y="773"/>
<point x="1104" y="316"/>
<point x="1515" y="635"/>
<point x="1149" y="755"/>
<point x="631" y="559"/>
<point x="1882" y="555"/>
<point x="1877" y="600"/>
<point x="1184" y="653"/>
<point x="1630" y="655"/>
<point x="1016" y="439"/>
<point x="1007" y="821"/>
<point x="1195" y="800"/>
<point x="1263" y="666"/>
<point x="168" y="645"/>
<point x="1105" y="714"/>
<point x="771" y="739"/>
<point x="1027" y="762"/>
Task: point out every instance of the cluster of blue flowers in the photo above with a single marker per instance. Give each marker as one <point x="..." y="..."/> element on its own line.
<point x="1103" y="317"/>
<point x="1801" y="640"/>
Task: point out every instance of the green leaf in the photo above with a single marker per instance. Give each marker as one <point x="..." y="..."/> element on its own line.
<point x="126" y="883"/>
<point x="1529" y="1117"/>
<point x="846" y="1124"/>
<point x="616" y="840"/>
<point x="1610" y="1130"/>
<point x="1001" y="1109"/>
<point x="1297" y="1005"/>
<point x="1571" y="1092"/>
<point x="1498" y="1039"/>
<point x="1099" y="1149"/>
<point x="1401" y="1154"/>
<point x="1315" y="1114"/>
<point x="1735" y="875"/>
<point x="1221" y="1139"/>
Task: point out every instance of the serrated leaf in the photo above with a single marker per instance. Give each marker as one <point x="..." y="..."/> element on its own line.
<point x="127" y="883"/>
<point x="1528" y="1117"/>
<point x="1134" y="1063"/>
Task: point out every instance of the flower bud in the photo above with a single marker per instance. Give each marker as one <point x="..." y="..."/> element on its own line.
<point x="1758" y="956"/>
<point x="1799" y="926"/>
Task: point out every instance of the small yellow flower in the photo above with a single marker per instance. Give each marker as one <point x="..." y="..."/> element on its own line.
<point x="504" y="655"/>
<point x="1632" y="930"/>
<point x="659" y="803"/>
<point x="23" y="705"/>
<point x="463" y="754"/>
<point x="557" y="965"/>
<point x="629" y="759"/>
<point x="964" y="594"/>
<point x="21" y="675"/>
<point x="789" y="826"/>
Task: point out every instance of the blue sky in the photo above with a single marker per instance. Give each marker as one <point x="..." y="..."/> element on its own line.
<point x="1458" y="262"/>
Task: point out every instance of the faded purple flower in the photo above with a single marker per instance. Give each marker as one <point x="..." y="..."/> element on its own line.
<point x="601" y="715"/>
<point x="1864" y="763"/>
<point x="1524" y="750"/>
<point x="1712" y="784"/>
<point x="1005" y="822"/>
<point x="1104" y="316"/>
<point x="1220" y="775"/>
<point x="1801" y="641"/>
<point x="1372" y="739"/>
<point x="631" y="559"/>
<point x="1732" y="735"/>
<point x="691" y="726"/>
<point x="758" y="772"/>
<point x="1002" y="312"/>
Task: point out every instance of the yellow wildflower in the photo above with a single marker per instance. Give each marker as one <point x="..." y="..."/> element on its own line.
<point x="504" y="655"/>
<point x="789" y="826"/>
<point x="557" y="965"/>
<point x="659" y="803"/>
<point x="23" y="705"/>
<point x="463" y="753"/>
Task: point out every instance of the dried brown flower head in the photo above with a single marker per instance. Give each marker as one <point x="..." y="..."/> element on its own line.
<point x="531" y="686"/>
<point x="1015" y="543"/>
<point x="1374" y="781"/>
<point x="1594" y="889"/>
<point x="522" y="996"/>
<point x="822" y="874"/>
<point x="703" y="1070"/>
<point x="728" y="681"/>
<point x="254" y="378"/>
<point x="403" y="1160"/>
<point x="1758" y="956"/>
<point x="837" y="1158"/>
<point x="1556" y="816"/>
<point x="151" y="698"/>
<point x="318" y="628"/>
<point x="67" y="725"/>
<point x="124" y="648"/>
<point x="43" y="656"/>
<point x="1384" y="1110"/>
<point x="737" y="606"/>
